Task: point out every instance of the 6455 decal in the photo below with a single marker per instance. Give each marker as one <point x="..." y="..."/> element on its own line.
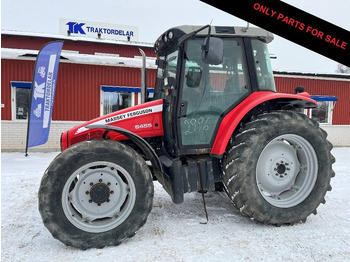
<point x="149" y="125"/>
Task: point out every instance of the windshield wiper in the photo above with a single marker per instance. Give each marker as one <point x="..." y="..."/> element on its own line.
<point x="190" y="35"/>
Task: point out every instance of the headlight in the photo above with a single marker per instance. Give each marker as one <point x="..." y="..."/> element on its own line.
<point x="170" y="35"/>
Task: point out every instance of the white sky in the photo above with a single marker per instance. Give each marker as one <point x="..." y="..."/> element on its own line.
<point x="153" y="17"/>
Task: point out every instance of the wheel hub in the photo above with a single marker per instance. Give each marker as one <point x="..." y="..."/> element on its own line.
<point x="277" y="168"/>
<point x="99" y="196"/>
<point x="281" y="169"/>
<point x="286" y="170"/>
<point x="100" y="193"/>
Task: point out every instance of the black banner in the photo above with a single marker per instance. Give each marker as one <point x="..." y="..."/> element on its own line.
<point x="293" y="24"/>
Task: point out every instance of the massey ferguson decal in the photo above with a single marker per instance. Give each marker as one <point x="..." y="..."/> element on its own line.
<point x="131" y="114"/>
<point x="128" y="115"/>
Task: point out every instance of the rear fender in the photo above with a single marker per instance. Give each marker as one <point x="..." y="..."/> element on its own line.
<point x="255" y="100"/>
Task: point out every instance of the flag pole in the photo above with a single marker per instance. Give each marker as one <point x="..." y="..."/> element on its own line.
<point x="30" y="105"/>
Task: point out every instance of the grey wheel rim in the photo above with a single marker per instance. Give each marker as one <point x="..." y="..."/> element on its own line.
<point x="98" y="197"/>
<point x="287" y="170"/>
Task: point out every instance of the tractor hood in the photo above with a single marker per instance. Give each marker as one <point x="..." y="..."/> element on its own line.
<point x="144" y="120"/>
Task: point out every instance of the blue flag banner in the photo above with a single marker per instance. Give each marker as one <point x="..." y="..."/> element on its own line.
<point x="43" y="93"/>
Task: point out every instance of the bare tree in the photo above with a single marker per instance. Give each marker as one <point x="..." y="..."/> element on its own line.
<point x="342" y="69"/>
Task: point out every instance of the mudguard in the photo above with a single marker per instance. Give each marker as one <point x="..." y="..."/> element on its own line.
<point x="233" y="118"/>
<point x="139" y="141"/>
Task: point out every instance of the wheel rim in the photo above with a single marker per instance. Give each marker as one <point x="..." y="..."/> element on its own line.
<point x="287" y="170"/>
<point x="98" y="197"/>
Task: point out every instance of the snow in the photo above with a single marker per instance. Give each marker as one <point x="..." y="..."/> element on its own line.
<point x="100" y="59"/>
<point x="174" y="232"/>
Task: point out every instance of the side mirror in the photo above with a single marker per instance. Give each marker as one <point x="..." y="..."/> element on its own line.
<point x="161" y="63"/>
<point x="193" y="77"/>
<point x="212" y="50"/>
<point x="169" y="82"/>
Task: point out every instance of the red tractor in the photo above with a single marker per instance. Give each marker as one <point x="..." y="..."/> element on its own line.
<point x="214" y="122"/>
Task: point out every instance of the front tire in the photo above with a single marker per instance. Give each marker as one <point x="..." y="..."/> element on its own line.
<point x="95" y="194"/>
<point x="277" y="169"/>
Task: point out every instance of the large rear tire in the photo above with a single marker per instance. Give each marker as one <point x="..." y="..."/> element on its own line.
<point x="96" y="194"/>
<point x="278" y="168"/>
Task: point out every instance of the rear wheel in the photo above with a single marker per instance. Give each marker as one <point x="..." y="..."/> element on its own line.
<point x="277" y="169"/>
<point x="96" y="194"/>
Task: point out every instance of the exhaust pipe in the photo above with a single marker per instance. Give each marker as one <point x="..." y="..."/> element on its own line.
<point x="143" y="77"/>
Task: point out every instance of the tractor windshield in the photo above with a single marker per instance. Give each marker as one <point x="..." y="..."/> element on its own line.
<point x="166" y="74"/>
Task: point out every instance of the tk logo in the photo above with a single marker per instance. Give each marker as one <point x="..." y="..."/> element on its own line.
<point x="76" y="28"/>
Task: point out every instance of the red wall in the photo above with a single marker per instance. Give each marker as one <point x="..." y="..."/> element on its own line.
<point x="13" y="70"/>
<point x="78" y="86"/>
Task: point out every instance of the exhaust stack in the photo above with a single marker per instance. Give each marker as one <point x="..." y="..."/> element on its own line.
<point x="143" y="77"/>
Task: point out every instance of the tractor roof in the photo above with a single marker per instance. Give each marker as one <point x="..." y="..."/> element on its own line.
<point x="169" y="38"/>
<point x="229" y="31"/>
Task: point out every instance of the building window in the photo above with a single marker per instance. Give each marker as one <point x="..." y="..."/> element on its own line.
<point x="117" y="98"/>
<point x="21" y="97"/>
<point x="114" y="98"/>
<point x="324" y="111"/>
<point x="114" y="101"/>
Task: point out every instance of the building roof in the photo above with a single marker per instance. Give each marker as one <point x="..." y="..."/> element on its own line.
<point x="76" y="38"/>
<point x="335" y="76"/>
<point x="72" y="57"/>
<point x="94" y="56"/>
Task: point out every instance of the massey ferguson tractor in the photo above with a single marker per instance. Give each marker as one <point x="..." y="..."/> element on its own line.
<point x="215" y="121"/>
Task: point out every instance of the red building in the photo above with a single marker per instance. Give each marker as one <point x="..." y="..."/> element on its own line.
<point x="99" y="76"/>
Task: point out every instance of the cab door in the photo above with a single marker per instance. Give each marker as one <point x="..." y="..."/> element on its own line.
<point x="209" y="92"/>
<point x="166" y="89"/>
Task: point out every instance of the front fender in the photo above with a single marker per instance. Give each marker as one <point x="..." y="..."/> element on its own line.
<point x="233" y="118"/>
<point x="139" y="141"/>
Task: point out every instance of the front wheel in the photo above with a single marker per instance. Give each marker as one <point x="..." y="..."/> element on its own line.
<point x="96" y="194"/>
<point x="277" y="169"/>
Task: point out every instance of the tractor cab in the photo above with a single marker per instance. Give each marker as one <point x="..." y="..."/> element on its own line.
<point x="203" y="73"/>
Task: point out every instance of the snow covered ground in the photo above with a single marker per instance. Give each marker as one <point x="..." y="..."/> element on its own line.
<point x="173" y="232"/>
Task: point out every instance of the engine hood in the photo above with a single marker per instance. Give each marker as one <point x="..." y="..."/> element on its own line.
<point x="144" y="120"/>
